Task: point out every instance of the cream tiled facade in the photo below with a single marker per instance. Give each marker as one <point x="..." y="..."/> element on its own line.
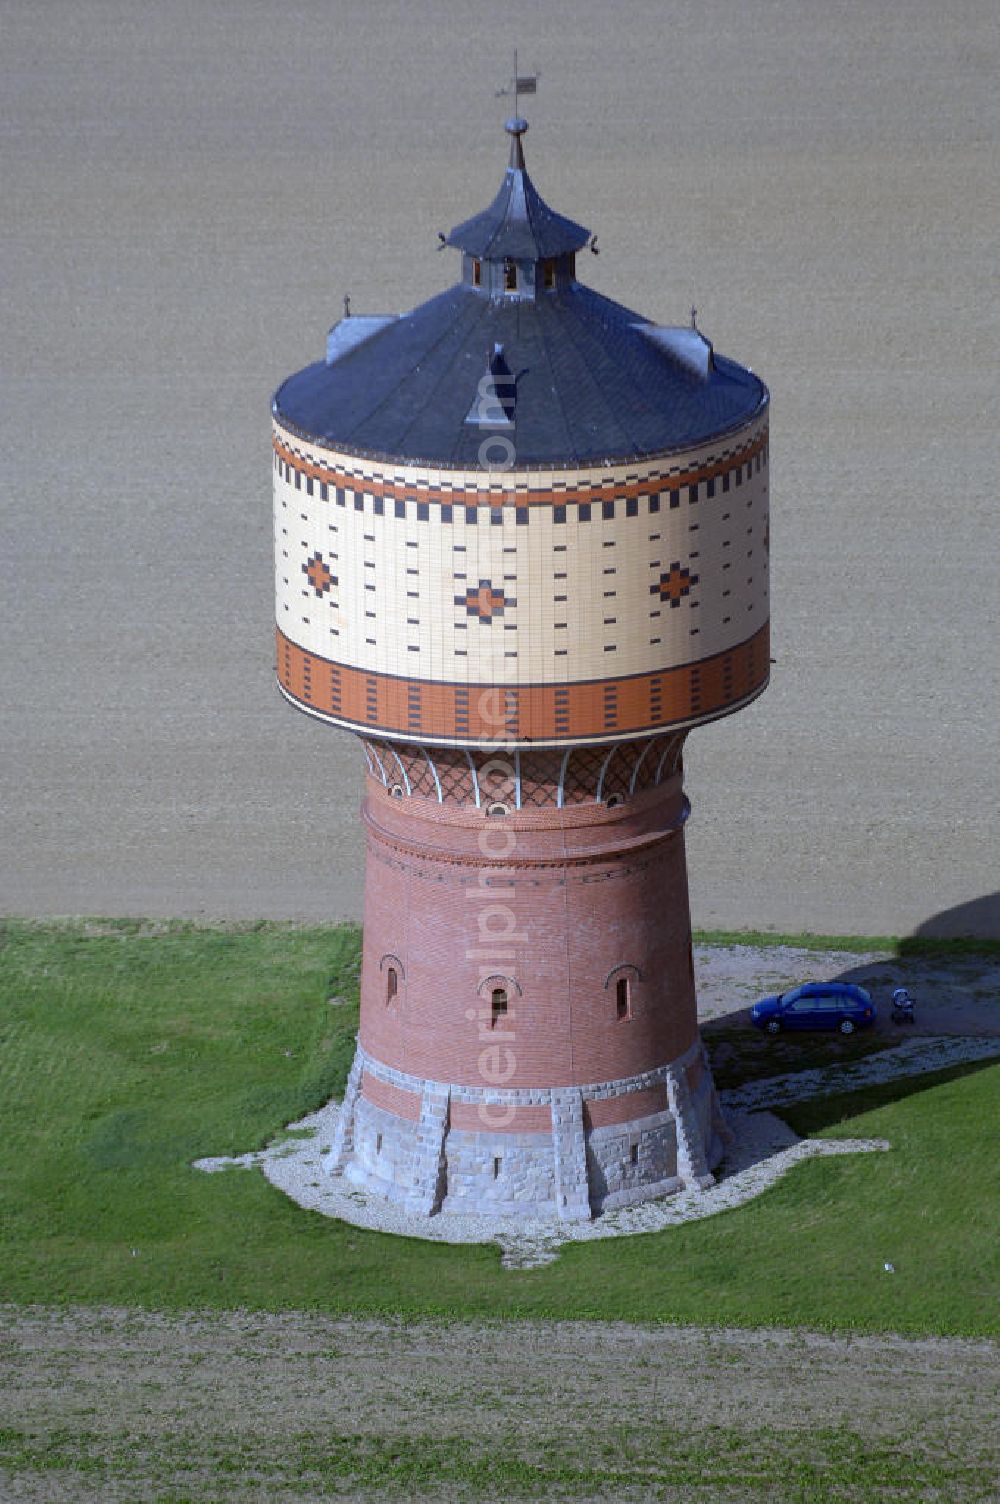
<point x="403" y="583"/>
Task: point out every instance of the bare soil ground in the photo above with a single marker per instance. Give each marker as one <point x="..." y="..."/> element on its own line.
<point x="189" y="191"/>
<point x="107" y="1405"/>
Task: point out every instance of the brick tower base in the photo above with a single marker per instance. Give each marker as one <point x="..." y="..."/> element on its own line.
<point x="529" y="1039"/>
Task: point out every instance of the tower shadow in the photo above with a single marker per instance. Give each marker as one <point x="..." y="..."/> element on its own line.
<point x="978" y="919"/>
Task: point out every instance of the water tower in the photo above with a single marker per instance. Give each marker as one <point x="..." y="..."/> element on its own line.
<point x="521" y="541"/>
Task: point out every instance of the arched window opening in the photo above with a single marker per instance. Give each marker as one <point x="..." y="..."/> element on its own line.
<point x="613" y="800"/>
<point x="623" y="997"/>
<point x="510" y="276"/>
<point x="498" y="808"/>
<point x="498" y="1006"/>
<point x="391" y="985"/>
<point x="396" y="791"/>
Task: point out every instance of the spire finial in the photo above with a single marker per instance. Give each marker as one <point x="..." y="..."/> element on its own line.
<point x="515" y="128"/>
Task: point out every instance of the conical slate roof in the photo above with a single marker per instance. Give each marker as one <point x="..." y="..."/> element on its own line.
<point x="592" y="381"/>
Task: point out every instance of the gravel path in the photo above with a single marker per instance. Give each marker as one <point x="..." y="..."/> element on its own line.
<point x="215" y="1407"/>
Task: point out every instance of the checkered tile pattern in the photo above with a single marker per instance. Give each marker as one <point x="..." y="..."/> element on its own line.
<point x="674" y="585"/>
<point x="485" y="601"/>
<point x="317" y="572"/>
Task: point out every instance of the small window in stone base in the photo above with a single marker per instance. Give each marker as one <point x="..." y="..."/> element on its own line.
<point x="378" y="1143"/>
<point x="498" y="1006"/>
<point x="496" y="1168"/>
<point x="391" y="985"/>
<point x="623" y="997"/>
<point x="635" y="1154"/>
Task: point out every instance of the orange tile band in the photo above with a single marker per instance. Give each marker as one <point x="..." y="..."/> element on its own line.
<point x="501" y="493"/>
<point x="474" y="714"/>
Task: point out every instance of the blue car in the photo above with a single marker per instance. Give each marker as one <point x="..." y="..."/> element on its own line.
<point x="816" y="1005"/>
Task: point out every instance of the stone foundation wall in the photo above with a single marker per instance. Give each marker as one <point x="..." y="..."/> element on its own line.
<point x="571" y="1170"/>
<point x="632" y="1161"/>
<point x="503" y="1173"/>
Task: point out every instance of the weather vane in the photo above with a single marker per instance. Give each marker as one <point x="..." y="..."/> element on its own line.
<point x="521" y="83"/>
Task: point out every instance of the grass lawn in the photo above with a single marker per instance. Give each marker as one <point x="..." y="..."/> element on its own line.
<point x="717" y="1463"/>
<point x="127" y="1050"/>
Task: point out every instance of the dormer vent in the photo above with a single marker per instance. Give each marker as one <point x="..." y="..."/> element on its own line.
<point x="688" y="347"/>
<point x="353" y="330"/>
<point x="493" y="405"/>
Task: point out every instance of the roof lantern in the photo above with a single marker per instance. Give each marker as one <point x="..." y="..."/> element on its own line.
<point x="518" y="225"/>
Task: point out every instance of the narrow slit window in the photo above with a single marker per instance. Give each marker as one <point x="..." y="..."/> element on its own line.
<point x="391" y="984"/>
<point x="477" y="273"/>
<point x="497" y="1163"/>
<point x="549" y="275"/>
<point x="623" y="997"/>
<point x="498" y="1006"/>
<point x="510" y="276"/>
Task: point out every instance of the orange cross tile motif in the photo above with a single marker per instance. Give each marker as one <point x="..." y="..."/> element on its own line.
<point x="675" y="584"/>
<point x="318" y="575"/>
<point x="484" y="601"/>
